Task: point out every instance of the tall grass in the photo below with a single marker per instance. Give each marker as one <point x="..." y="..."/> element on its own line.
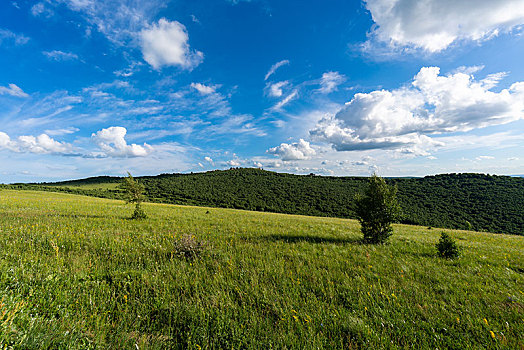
<point x="76" y="273"/>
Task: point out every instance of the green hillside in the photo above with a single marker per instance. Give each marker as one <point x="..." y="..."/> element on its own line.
<point x="75" y="273"/>
<point x="462" y="201"/>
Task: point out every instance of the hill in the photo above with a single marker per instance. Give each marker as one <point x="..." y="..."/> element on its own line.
<point x="462" y="201"/>
<point x="75" y="273"/>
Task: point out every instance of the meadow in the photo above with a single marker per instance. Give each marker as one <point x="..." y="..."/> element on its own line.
<point x="76" y="273"/>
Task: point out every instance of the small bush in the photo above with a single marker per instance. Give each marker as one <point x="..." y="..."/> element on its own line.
<point x="189" y="247"/>
<point x="447" y="247"/>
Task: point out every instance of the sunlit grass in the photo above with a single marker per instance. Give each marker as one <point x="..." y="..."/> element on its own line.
<point x="75" y="272"/>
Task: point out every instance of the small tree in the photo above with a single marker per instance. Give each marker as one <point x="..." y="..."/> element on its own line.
<point x="134" y="194"/>
<point x="377" y="209"/>
<point x="447" y="247"/>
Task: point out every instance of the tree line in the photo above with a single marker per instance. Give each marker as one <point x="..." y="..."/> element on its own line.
<point x="459" y="201"/>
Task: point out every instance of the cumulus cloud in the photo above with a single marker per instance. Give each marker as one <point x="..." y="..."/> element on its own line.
<point x="203" y="89"/>
<point x="42" y="144"/>
<point x="233" y="162"/>
<point x="433" y="25"/>
<point x="165" y="43"/>
<point x="403" y="118"/>
<point x="274" y="68"/>
<point x="12" y="90"/>
<point x="57" y="55"/>
<point x="295" y="151"/>
<point x="113" y="144"/>
<point x="208" y="159"/>
<point x="275" y="89"/>
<point x="330" y="81"/>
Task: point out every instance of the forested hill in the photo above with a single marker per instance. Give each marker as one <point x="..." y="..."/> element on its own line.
<point x="465" y="201"/>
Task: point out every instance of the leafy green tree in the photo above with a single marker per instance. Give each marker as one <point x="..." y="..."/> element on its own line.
<point x="377" y="209"/>
<point x="134" y="193"/>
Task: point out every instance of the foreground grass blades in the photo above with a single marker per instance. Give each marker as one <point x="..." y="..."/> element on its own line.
<point x="76" y="273"/>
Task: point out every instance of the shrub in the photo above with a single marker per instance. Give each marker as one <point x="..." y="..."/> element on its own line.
<point x="447" y="247"/>
<point x="376" y="210"/>
<point x="189" y="247"/>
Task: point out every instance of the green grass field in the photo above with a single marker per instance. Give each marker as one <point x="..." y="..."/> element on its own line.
<point x="76" y="273"/>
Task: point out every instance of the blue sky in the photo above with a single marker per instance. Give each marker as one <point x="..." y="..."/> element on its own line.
<point x="334" y="87"/>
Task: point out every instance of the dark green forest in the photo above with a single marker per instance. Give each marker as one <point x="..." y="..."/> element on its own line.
<point x="460" y="201"/>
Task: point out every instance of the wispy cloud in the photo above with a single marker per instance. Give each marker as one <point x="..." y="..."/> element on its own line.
<point x="12" y="90"/>
<point x="278" y="107"/>
<point x="330" y="81"/>
<point x="274" y="68"/>
<point x="58" y="55"/>
<point x="9" y="37"/>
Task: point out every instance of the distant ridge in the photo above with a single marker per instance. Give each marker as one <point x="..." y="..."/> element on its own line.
<point x="463" y="201"/>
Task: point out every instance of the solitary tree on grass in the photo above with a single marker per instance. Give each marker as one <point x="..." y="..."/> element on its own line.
<point x="377" y="209"/>
<point x="134" y="193"/>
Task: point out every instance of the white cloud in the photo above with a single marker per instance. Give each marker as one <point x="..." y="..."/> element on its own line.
<point x="118" y="20"/>
<point x="469" y="69"/>
<point x="203" y="89"/>
<point x="485" y="158"/>
<point x="11" y="37"/>
<point x="113" y="144"/>
<point x="12" y="90"/>
<point x="274" y="68"/>
<point x="433" y="25"/>
<point x="208" y="159"/>
<point x="60" y="55"/>
<point x="166" y="44"/>
<point x="39" y="9"/>
<point x="42" y="144"/>
<point x="296" y="151"/>
<point x="330" y="81"/>
<point x="403" y="118"/>
<point x="63" y="131"/>
<point x="195" y="19"/>
<point x="233" y="162"/>
<point x="275" y="89"/>
<point x="285" y="101"/>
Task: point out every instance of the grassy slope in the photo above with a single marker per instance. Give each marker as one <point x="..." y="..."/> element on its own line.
<point x="75" y="273"/>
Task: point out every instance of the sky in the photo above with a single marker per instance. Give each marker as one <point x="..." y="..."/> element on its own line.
<point x="332" y="87"/>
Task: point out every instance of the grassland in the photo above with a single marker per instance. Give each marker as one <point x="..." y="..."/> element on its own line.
<point x="76" y="273"/>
